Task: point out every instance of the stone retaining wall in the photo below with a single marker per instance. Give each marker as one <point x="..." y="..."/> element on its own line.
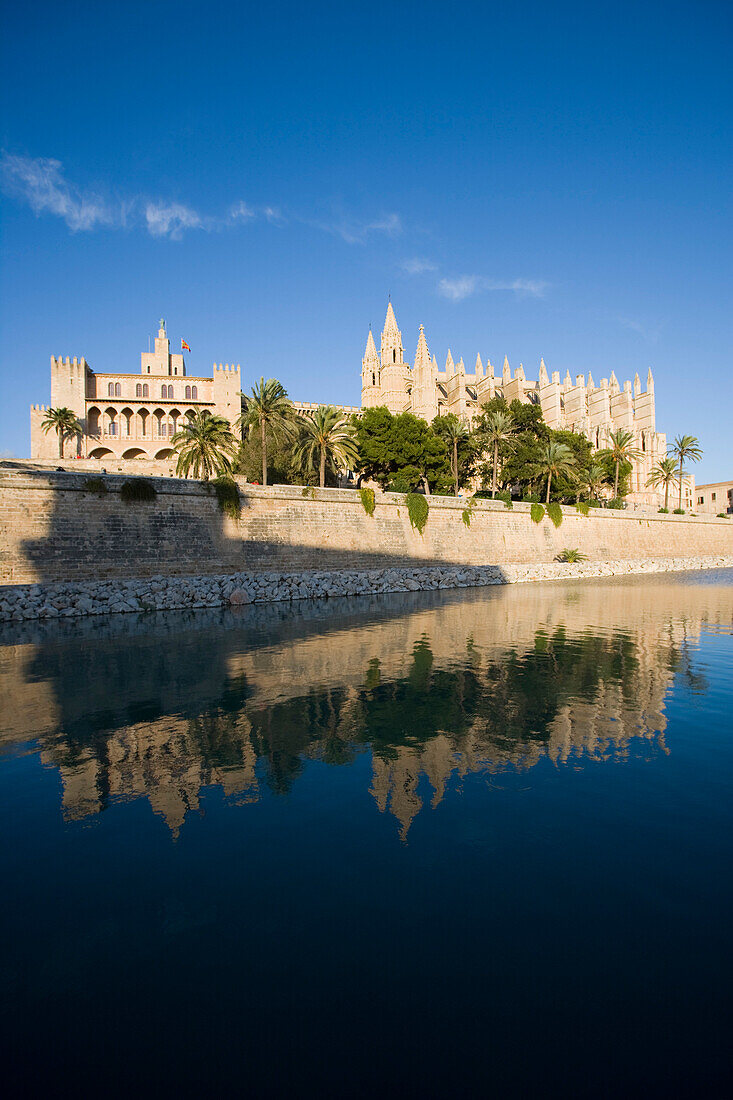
<point x="53" y="529"/>
<point x="162" y="593"/>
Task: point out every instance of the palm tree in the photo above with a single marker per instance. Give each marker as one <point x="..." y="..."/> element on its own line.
<point x="205" y="445"/>
<point x="328" y="437"/>
<point x="685" y="447"/>
<point x="664" y="473"/>
<point x="594" y="479"/>
<point x="622" y="450"/>
<point x="64" y="422"/>
<point x="453" y="431"/>
<point x="557" y="458"/>
<point x="498" y="429"/>
<point x="268" y="407"/>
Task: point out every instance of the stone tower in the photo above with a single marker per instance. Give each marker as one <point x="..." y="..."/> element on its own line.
<point x="370" y="375"/>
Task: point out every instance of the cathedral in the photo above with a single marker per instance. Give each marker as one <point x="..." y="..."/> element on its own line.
<point x="579" y="406"/>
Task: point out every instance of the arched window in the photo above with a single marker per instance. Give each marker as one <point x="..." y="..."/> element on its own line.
<point x="145" y="390"/>
<point x="194" y="393"/>
<point x="138" y="390"/>
<point x="394" y="356"/>
<point x="163" y="391"/>
<point x="374" y="379"/>
<point x="110" y="390"/>
<point x="148" y="370"/>
<point x="118" y="389"/>
<point x="188" y="393"/>
<point x="170" y="393"/>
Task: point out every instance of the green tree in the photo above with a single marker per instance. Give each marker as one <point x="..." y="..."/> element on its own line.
<point x="64" y="422"/>
<point x="593" y="479"/>
<point x="402" y="448"/>
<point x="568" y="486"/>
<point x="622" y="449"/>
<point x="268" y="407"/>
<point x="327" y="437"/>
<point x="373" y="434"/>
<point x="663" y="473"/>
<point x="205" y="446"/>
<point x="686" y="448"/>
<point x="452" y="430"/>
<point x="497" y="430"/>
<point x="556" y="459"/>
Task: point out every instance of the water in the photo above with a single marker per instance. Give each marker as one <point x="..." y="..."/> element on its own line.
<point x="405" y="845"/>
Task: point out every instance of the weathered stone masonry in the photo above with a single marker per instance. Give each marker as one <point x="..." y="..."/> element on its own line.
<point x="52" y="530"/>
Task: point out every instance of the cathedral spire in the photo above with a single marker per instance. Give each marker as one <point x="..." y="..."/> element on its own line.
<point x="390" y="322"/>
<point x="422" y="354"/>
<point x="370" y="353"/>
<point x="479" y="368"/>
<point x="392" y="349"/>
<point x="449" y="364"/>
<point x="543" y="376"/>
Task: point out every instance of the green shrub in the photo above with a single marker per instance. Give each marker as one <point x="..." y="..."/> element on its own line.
<point x="95" y="485"/>
<point x="617" y="503"/>
<point x="532" y="498"/>
<point x="571" y="555"/>
<point x="137" y="489"/>
<point x="367" y="499"/>
<point x="554" y="512"/>
<point x="679" y="512"/>
<point x="417" y="510"/>
<point x="505" y="496"/>
<point x="399" y="485"/>
<point x="721" y="515"/>
<point x="227" y="495"/>
<point x="664" y="511"/>
<point x="583" y="507"/>
<point x="537" y="512"/>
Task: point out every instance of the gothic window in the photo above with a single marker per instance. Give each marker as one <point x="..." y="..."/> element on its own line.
<point x="145" y="390"/>
<point x="110" y="390"/>
<point x="374" y="379"/>
<point x="138" y="390"/>
<point x="188" y="393"/>
<point x="163" y="391"/>
<point x="148" y="370"/>
<point x="194" y="393"/>
<point x="394" y="356"/>
<point x="118" y="389"/>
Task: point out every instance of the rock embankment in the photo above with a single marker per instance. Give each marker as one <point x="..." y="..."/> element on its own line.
<point x="51" y="601"/>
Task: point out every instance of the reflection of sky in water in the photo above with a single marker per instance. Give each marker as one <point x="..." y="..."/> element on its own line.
<point x="544" y="896"/>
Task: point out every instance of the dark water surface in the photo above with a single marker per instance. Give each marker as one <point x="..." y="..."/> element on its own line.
<point x="475" y="842"/>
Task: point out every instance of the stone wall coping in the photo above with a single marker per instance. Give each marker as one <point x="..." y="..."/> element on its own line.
<point x="15" y="475"/>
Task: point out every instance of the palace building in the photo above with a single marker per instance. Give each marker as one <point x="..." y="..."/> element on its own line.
<point x="133" y="416"/>
<point x="579" y="406"/>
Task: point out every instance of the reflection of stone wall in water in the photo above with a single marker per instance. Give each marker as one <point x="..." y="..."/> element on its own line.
<point x="480" y="682"/>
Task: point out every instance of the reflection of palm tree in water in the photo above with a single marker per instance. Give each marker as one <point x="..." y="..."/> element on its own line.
<point x="484" y="710"/>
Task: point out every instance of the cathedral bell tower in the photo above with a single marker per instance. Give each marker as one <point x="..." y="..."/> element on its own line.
<point x="395" y="372"/>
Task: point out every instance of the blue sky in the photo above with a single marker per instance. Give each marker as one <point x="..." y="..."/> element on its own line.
<point x="529" y="180"/>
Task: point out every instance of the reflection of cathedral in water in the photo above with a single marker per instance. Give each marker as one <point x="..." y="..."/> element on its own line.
<point x="442" y="688"/>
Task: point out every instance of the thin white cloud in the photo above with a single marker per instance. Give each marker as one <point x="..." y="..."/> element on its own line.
<point x="170" y="219"/>
<point x="40" y="182"/>
<point x="241" y="212"/>
<point x="417" y="266"/>
<point x="353" y="231"/>
<point x="463" y="286"/>
<point x="458" y="289"/>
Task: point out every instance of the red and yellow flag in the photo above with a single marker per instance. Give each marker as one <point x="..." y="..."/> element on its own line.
<point x="184" y="345"/>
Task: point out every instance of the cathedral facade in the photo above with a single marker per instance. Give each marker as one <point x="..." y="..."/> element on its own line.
<point x="579" y="405"/>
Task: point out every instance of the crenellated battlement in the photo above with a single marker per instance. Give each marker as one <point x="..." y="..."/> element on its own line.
<point x="226" y="367"/>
